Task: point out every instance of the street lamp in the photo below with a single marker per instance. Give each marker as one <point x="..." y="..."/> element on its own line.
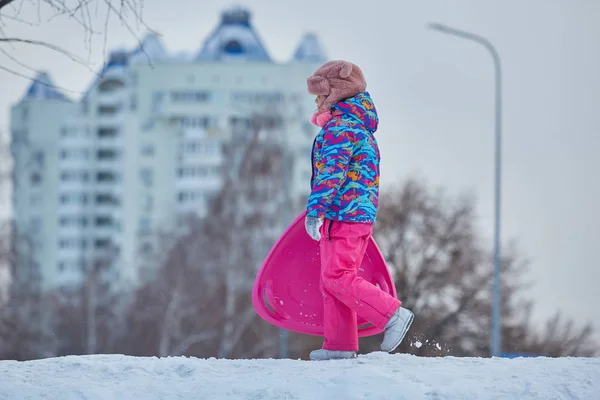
<point x="496" y="336"/>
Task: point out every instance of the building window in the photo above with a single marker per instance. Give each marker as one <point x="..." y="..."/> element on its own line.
<point x="72" y="243"/>
<point x="145" y="225"/>
<point x="68" y="132"/>
<point x="240" y="123"/>
<point x="191" y="196"/>
<point x="110" y="85"/>
<point x="103" y="221"/>
<point x="190" y="96"/>
<point x="147" y="203"/>
<point x="107" y="132"/>
<point x="73" y="220"/>
<point x="74" y="176"/>
<point x="186" y="121"/>
<point x="263" y="98"/>
<point x="108" y="110"/>
<point x="35" y="224"/>
<point x="133" y="79"/>
<point x="105" y="176"/>
<point x="39" y="158"/>
<point x="35" y="200"/>
<point x="74" y="198"/>
<point x="157" y="101"/>
<point x="25" y="113"/>
<point x="146" y="248"/>
<point x="106" y="199"/>
<point x="106" y="154"/>
<point x="200" y="171"/>
<point x="146" y="176"/>
<point x="75" y="154"/>
<point x="36" y="178"/>
<point x="102" y="243"/>
<point x="148" y="150"/>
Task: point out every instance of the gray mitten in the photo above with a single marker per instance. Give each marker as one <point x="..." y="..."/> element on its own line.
<point x="313" y="226"/>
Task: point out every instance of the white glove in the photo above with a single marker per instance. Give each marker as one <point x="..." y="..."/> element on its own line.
<point x="313" y="226"/>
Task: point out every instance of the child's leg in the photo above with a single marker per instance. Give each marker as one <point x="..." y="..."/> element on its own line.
<point x="343" y="246"/>
<point x="340" y="325"/>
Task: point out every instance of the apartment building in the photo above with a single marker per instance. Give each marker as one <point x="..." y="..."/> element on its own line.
<point x="111" y="170"/>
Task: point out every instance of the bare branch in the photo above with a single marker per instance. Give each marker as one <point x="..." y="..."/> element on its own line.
<point x="126" y="24"/>
<point x="4" y="3"/>
<point x="17" y="19"/>
<point x="49" y="46"/>
<point x="79" y="11"/>
<point x="15" y="60"/>
<point x="13" y="72"/>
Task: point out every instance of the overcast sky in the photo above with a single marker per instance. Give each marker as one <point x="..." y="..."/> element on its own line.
<point x="434" y="94"/>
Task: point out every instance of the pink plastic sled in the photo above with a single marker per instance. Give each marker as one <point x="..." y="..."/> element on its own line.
<point x="286" y="290"/>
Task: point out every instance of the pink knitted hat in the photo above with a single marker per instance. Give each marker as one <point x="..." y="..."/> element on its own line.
<point x="337" y="80"/>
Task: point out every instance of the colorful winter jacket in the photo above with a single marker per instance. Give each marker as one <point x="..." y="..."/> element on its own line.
<point x="345" y="158"/>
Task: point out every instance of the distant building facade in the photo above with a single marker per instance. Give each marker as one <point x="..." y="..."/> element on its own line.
<point x="143" y="144"/>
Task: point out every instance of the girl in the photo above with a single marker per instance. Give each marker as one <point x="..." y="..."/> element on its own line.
<point x="342" y="208"/>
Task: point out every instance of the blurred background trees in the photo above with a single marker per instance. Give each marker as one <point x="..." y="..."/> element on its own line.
<point x="197" y="300"/>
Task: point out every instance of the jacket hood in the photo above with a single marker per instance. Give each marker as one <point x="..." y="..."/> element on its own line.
<point x="361" y="108"/>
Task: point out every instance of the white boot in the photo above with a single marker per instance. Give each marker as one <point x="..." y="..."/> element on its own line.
<point x="396" y="329"/>
<point x="322" y="355"/>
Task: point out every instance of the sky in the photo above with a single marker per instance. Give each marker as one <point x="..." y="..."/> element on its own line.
<point x="435" y="97"/>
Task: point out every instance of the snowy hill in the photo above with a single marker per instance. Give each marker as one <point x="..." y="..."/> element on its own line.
<point x="374" y="376"/>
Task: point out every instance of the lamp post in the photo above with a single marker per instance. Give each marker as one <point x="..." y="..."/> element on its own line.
<point x="496" y="337"/>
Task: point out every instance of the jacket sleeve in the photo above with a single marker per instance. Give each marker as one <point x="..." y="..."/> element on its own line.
<point x="336" y="153"/>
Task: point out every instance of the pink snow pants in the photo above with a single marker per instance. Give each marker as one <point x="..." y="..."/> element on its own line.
<point x="343" y="246"/>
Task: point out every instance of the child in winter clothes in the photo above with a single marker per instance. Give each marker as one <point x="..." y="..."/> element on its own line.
<point x="342" y="209"/>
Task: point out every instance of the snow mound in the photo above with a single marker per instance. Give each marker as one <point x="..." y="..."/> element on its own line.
<point x="373" y="376"/>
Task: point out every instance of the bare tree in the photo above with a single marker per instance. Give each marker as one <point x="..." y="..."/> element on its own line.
<point x="92" y="16"/>
<point x="245" y="218"/>
<point x="5" y="225"/>
<point x="91" y="315"/>
<point x="558" y="337"/>
<point x="26" y="331"/>
<point x="173" y="311"/>
<point x="443" y="272"/>
<point x="198" y="303"/>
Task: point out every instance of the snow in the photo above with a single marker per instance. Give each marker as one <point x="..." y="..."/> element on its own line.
<point x="372" y="376"/>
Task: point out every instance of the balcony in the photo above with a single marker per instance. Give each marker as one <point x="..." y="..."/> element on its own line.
<point x="108" y="157"/>
<point x="111" y="98"/>
<point x="104" y="231"/>
<point x="110" y="120"/>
